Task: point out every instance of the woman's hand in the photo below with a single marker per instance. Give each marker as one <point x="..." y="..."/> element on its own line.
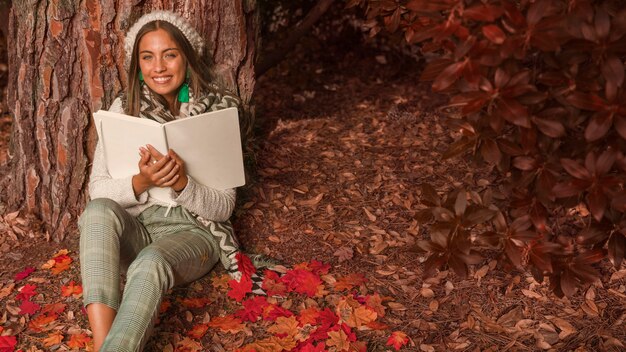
<point x="158" y="170"/>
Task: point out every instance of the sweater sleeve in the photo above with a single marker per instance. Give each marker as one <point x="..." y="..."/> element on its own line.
<point x="101" y="185"/>
<point x="210" y="203"/>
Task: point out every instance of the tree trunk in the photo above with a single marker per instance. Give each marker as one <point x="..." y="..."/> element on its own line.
<point x="66" y="60"/>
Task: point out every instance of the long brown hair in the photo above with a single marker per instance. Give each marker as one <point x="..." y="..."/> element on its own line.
<point x="199" y="73"/>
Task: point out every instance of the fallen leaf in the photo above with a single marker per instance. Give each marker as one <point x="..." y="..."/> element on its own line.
<point x="24" y="274"/>
<point x="72" y="290"/>
<point x="7" y="343"/>
<point x="239" y="289"/>
<point x="309" y="316"/>
<point x="227" y="323"/>
<point x="369" y="215"/>
<point x="344" y="253"/>
<point x="565" y="327"/>
<point x="78" y="341"/>
<point x="339" y="340"/>
<point x="198" y="331"/>
<point x="43" y="323"/>
<point x="26" y="292"/>
<point x="28" y="307"/>
<point x="349" y="281"/>
<point x="195" y="302"/>
<point x="397" y="340"/>
<point x="285" y="325"/>
<point x="6" y="290"/>
<point x="53" y="338"/>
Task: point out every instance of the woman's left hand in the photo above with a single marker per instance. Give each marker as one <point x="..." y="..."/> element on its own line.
<point x="181" y="183"/>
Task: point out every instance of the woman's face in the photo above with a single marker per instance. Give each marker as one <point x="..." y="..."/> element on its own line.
<point x="162" y="64"/>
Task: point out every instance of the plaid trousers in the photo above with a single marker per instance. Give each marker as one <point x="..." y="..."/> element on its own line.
<point x="158" y="252"/>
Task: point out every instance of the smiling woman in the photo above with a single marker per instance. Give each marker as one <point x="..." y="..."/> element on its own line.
<point x="163" y="66"/>
<point x="165" y="238"/>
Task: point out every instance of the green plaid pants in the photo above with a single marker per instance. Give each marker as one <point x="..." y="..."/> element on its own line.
<point x="159" y="252"/>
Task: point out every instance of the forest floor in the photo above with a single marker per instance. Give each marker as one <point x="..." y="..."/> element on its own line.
<point x="344" y="139"/>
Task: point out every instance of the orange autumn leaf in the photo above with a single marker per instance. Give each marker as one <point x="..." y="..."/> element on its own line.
<point x="61" y="252"/>
<point x="339" y="339"/>
<point x="309" y="316"/>
<point x="43" y="323"/>
<point x="61" y="266"/>
<point x="72" y="290"/>
<point x="78" y="341"/>
<point x="54" y="338"/>
<point x="198" y="331"/>
<point x="55" y="308"/>
<point x="195" y="302"/>
<point x="360" y="317"/>
<point x="353" y="313"/>
<point x="376" y="325"/>
<point x="349" y="281"/>
<point x="227" y="323"/>
<point x="283" y="325"/>
<point x="397" y="340"/>
<point x="376" y="303"/>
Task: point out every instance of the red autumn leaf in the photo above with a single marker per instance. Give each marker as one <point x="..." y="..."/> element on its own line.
<point x="397" y="340"/>
<point x="271" y="312"/>
<point x="349" y="281"/>
<point x="309" y="347"/>
<point x="42" y="323"/>
<point x="195" y="302"/>
<point x="72" y="290"/>
<point x="78" y="341"/>
<point x="26" y="292"/>
<point x="318" y="267"/>
<point x="198" y="331"/>
<point x="272" y="284"/>
<point x="245" y="265"/>
<point x="24" y="274"/>
<point x="227" y="323"/>
<point x="239" y="289"/>
<point x="28" y="307"/>
<point x="302" y="281"/>
<point x="309" y="316"/>
<point x="252" y="308"/>
<point x="7" y="343"/>
<point x="54" y="308"/>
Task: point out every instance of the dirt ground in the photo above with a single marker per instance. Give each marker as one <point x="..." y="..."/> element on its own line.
<point x="343" y="140"/>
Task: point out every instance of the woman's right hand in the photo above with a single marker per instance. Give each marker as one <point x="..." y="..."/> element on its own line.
<point x="154" y="173"/>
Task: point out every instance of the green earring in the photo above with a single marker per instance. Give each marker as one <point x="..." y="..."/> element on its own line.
<point x="183" y="93"/>
<point x="140" y="76"/>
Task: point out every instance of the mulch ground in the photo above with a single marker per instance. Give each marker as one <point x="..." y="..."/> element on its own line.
<point x="344" y="138"/>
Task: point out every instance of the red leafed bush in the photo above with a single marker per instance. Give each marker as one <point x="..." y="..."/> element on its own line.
<point x="538" y="88"/>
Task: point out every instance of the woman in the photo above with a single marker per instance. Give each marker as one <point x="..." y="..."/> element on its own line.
<point x="163" y="242"/>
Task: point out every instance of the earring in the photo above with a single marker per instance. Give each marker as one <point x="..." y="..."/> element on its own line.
<point x="140" y="77"/>
<point x="183" y="93"/>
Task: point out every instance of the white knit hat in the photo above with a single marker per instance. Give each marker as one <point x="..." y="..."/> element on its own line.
<point x="190" y="33"/>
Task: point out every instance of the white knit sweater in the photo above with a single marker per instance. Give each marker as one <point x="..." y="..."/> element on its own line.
<point x="209" y="203"/>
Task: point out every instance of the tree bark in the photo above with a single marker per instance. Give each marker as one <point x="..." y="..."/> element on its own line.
<point x="66" y="60"/>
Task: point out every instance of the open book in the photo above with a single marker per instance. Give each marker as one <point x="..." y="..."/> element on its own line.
<point x="209" y="144"/>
